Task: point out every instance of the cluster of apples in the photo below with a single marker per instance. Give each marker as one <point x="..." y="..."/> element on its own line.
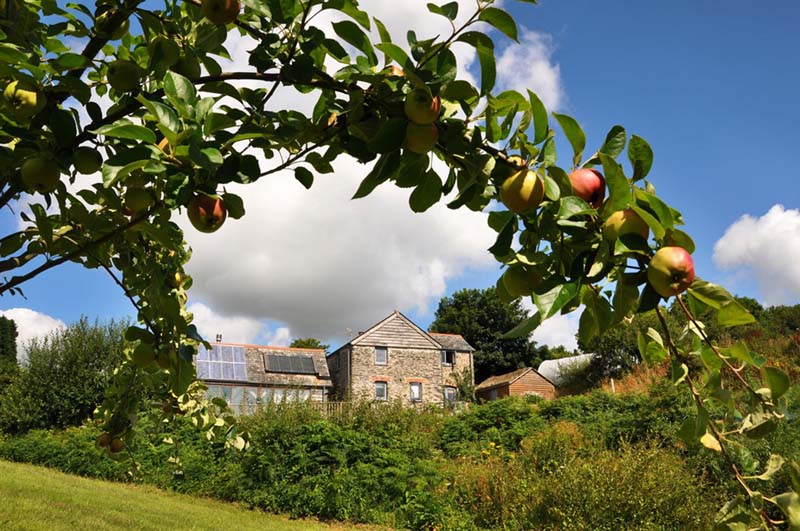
<point x="670" y="271"/>
<point x="422" y="109"/>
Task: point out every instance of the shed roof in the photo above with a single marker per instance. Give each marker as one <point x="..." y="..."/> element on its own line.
<point x="507" y="379"/>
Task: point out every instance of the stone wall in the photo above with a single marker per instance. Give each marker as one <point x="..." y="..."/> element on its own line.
<point x="404" y="366"/>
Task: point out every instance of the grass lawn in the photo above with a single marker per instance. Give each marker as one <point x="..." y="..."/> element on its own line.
<point x="39" y="498"/>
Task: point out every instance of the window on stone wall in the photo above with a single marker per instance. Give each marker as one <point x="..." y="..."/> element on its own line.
<point x="449" y="395"/>
<point x="415" y="390"/>
<point x="381" y="393"/>
<point x="381" y="355"/>
<point x="448" y="357"/>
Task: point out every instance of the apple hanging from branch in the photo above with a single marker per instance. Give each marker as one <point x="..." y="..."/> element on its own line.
<point x="671" y="271"/>
<point x="207" y="212"/>
<point x="589" y="185"/>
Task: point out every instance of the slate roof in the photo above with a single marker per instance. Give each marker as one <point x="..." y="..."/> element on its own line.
<point x="452" y="342"/>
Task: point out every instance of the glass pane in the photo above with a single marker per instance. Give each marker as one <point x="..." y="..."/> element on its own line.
<point x="237" y="395"/>
<point x="305" y="395"/>
<point x="226" y="392"/>
<point x="239" y="372"/>
<point x="380" y="355"/>
<point x="227" y="371"/>
<point x="201" y="353"/>
<point x="213" y="390"/>
<point x="277" y="395"/>
<point x="266" y="395"/>
<point x="380" y="390"/>
<point x="416" y="391"/>
<point x="238" y="354"/>
<point x="215" y="371"/>
<point x="214" y="354"/>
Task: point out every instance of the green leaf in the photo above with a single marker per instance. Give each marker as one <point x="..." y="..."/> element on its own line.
<point x="484" y="47"/>
<point x="127" y="130"/>
<point x="390" y="136"/>
<point x="588" y="327"/>
<point x="71" y="61"/>
<point x="179" y="89"/>
<point x="380" y="173"/>
<point x="777" y="381"/>
<point x="234" y="204"/>
<point x="789" y="502"/>
<point x="449" y="11"/>
<point x="619" y="190"/>
<point x="774" y="464"/>
<point x="641" y="156"/>
<point x="615" y="141"/>
<point x="353" y="35"/>
<point x="551" y="187"/>
<point x="163" y="114"/>
<point x="134" y="333"/>
<point x="551" y="302"/>
<point x="502" y="246"/>
<point x="426" y="194"/>
<point x="540" y="122"/>
<point x="656" y="206"/>
<point x="525" y="328"/>
<point x="498" y="219"/>
<point x="574" y="134"/>
<point x="710" y="294"/>
<point x="395" y="53"/>
<point x="500" y="20"/>
<point x="734" y="314"/>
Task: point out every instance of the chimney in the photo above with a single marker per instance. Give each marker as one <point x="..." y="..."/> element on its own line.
<point x="219" y="338"/>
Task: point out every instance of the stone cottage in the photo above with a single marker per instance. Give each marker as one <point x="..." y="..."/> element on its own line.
<point x="396" y="359"/>
<point x="249" y="375"/>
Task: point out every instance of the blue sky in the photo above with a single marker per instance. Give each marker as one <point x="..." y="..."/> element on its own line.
<point x="712" y="86"/>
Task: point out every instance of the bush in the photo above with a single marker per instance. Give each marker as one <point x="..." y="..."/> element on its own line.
<point x="64" y="378"/>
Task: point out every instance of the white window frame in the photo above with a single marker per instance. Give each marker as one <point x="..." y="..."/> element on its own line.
<point x="385" y="351"/>
<point x="454" y="391"/>
<point x="447" y="354"/>
<point x="385" y="387"/>
<point x="411" y="387"/>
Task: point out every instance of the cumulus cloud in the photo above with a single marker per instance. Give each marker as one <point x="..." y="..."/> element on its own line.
<point x="30" y="324"/>
<point x="320" y="263"/>
<point x="559" y="330"/>
<point x="529" y="65"/>
<point x="768" y="248"/>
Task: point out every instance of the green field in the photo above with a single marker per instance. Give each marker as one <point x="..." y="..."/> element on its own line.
<point x="38" y="498"/>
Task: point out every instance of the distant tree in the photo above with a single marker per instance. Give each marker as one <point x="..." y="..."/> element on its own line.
<point x="8" y="350"/>
<point x="308" y="342"/>
<point x="65" y="377"/>
<point x="481" y="318"/>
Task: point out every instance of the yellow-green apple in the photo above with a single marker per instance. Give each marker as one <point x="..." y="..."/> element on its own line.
<point x="221" y="12"/>
<point x="589" y="185"/>
<point x="207" y="212"/>
<point x="422" y="108"/>
<point x="137" y="200"/>
<point x="188" y="66"/>
<point x="164" y="51"/>
<point x="421" y="138"/>
<point x="87" y="160"/>
<point x="671" y="271"/>
<point x="520" y="281"/>
<point x="40" y="174"/>
<point x="624" y="222"/>
<point x="124" y="76"/>
<point x="23" y="99"/>
<point x="522" y="191"/>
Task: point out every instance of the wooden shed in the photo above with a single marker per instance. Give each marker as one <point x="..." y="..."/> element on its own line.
<point x="525" y="381"/>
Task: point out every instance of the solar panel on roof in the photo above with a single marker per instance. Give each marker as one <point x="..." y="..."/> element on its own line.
<point x="290" y="364"/>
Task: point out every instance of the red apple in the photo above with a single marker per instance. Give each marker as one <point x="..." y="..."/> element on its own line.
<point x="221" y="12"/>
<point x="671" y="271"/>
<point x="523" y="191"/>
<point x="207" y="212"/>
<point x="422" y="108"/>
<point x="624" y="222"/>
<point x="589" y="185"/>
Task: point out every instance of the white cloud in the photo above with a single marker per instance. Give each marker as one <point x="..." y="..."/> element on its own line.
<point x="320" y="263"/>
<point x="30" y="324"/>
<point x="559" y="330"/>
<point x="529" y="65"/>
<point x="768" y="247"/>
<point x="233" y="329"/>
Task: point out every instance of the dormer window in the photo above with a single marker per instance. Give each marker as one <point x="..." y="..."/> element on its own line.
<point x="448" y="357"/>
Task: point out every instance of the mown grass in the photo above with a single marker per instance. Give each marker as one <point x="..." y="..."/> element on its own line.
<point x="36" y="498"/>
